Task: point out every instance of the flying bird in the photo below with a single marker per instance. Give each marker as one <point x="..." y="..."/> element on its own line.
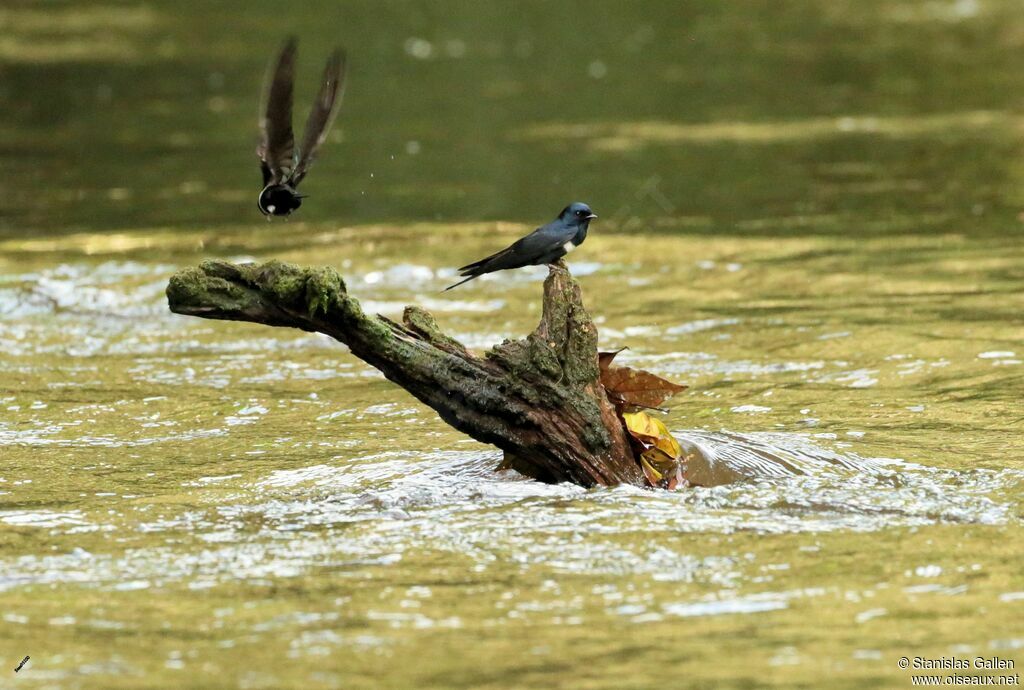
<point x="545" y="245"/>
<point x="284" y="166"/>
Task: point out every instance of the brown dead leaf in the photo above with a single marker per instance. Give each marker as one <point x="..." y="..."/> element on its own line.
<point x="628" y="386"/>
<point x="605" y="358"/>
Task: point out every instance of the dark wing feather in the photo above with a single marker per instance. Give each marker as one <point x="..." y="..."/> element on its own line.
<point x="277" y="144"/>
<point x="322" y="115"/>
<point x="478" y="268"/>
<point x="500" y="257"/>
<point x="523" y="252"/>
<point x="528" y="251"/>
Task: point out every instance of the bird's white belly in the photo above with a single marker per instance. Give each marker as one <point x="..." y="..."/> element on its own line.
<point x="568" y="246"/>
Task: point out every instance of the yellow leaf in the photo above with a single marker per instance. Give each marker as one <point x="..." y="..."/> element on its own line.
<point x="660" y="461"/>
<point x="653" y="475"/>
<point x="641" y="425"/>
<point x="652" y="432"/>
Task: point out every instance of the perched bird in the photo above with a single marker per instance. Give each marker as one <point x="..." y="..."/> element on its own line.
<point x="545" y="245"/>
<point x="283" y="166"/>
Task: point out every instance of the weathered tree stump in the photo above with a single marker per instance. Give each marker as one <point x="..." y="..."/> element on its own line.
<point x="539" y="399"/>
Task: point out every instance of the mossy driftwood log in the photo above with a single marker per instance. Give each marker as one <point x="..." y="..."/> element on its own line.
<point x="539" y="399"/>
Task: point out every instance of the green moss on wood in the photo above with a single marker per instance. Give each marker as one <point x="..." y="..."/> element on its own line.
<point x="283" y="283"/>
<point x="324" y="290"/>
<point x="194" y="288"/>
<point x="423" y="323"/>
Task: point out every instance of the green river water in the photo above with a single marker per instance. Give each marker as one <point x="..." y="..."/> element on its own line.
<point x="810" y="214"/>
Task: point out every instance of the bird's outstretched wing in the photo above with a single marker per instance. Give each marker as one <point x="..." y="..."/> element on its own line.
<point x="277" y="142"/>
<point x="325" y="109"/>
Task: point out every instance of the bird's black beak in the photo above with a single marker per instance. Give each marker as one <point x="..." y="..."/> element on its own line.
<point x="592" y="216"/>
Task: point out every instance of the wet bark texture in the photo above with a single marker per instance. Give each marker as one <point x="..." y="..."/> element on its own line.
<point x="539" y="399"/>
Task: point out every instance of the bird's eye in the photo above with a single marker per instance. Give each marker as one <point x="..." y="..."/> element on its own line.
<point x="579" y="213"/>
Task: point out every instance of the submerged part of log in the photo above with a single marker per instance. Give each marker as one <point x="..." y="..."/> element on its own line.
<point x="539" y="399"/>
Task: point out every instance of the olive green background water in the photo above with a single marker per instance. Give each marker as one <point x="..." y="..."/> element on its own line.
<point x="810" y="213"/>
